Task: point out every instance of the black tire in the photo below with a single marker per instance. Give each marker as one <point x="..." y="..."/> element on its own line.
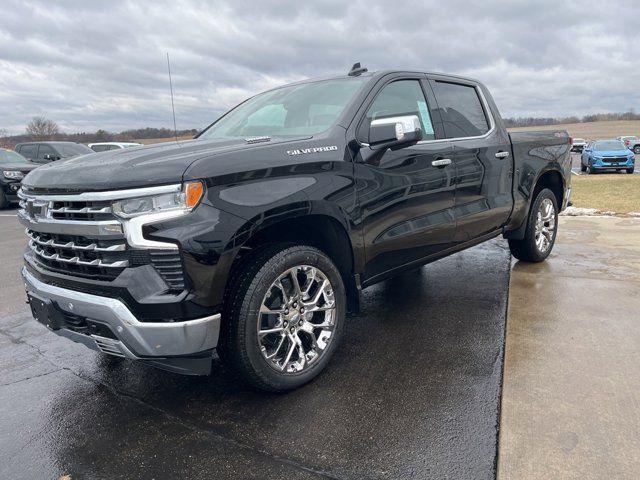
<point x="589" y="170"/>
<point x="583" y="167"/>
<point x="630" y="170"/>
<point x="4" y="203"/>
<point x="240" y="348"/>
<point x="527" y="249"/>
<point x="636" y="149"/>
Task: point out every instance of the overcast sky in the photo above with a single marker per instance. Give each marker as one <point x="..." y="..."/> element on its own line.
<point x="91" y="65"/>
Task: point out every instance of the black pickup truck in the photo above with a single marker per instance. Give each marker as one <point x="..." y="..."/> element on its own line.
<point x="255" y="238"/>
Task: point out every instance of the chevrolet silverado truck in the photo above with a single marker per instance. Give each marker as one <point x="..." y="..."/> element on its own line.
<point x="254" y="240"/>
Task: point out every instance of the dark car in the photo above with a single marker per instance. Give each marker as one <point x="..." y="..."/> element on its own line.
<point x="13" y="167"/>
<point x="45" y="152"/>
<point x="256" y="238"/>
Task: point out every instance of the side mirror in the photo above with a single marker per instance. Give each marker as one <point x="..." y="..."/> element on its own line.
<point x="395" y="132"/>
<point x="50" y="158"/>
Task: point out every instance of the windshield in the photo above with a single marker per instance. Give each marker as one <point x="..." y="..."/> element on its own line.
<point x="304" y="109"/>
<point x="70" y="149"/>
<point x="8" y="156"/>
<point x="610" y="145"/>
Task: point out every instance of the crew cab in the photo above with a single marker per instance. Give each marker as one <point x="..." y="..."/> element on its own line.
<point x="255" y="239"/>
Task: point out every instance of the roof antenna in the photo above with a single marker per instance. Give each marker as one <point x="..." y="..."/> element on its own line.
<point x="173" y="108"/>
<point x="356" y="70"/>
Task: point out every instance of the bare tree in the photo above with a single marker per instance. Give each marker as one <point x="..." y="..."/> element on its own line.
<point x="40" y="128"/>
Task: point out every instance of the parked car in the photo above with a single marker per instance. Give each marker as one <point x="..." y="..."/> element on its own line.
<point x="104" y="146"/>
<point x="607" y="155"/>
<point x="13" y="167"/>
<point x="578" y="144"/>
<point x="632" y="142"/>
<point x="44" y="152"/>
<point x="255" y="238"/>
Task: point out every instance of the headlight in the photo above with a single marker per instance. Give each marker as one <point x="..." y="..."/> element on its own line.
<point x="184" y="200"/>
<point x="597" y="158"/>
<point x="13" y="174"/>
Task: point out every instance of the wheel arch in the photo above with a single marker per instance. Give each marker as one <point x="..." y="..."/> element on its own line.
<point x="554" y="180"/>
<point x="320" y="230"/>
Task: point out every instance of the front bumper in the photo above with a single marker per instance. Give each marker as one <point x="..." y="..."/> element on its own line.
<point x="185" y="347"/>
<point x="622" y="165"/>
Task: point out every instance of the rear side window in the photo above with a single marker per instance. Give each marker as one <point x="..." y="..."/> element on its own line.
<point x="461" y="110"/>
<point x="100" y="148"/>
<point x="28" y="151"/>
<point x="399" y="98"/>
<point x="45" y="150"/>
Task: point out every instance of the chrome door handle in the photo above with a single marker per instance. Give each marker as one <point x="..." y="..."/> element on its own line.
<point x="502" y="154"/>
<point x="442" y="162"/>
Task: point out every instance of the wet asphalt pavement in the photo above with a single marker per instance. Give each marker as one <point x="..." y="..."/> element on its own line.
<point x="413" y="392"/>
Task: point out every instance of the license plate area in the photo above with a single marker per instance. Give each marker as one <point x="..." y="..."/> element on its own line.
<point x="45" y="312"/>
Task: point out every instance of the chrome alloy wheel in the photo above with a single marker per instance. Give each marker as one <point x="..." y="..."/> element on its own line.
<point x="545" y="225"/>
<point x="297" y="319"/>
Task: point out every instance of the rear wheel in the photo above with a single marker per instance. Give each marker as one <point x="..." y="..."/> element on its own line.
<point x="540" y="234"/>
<point x="284" y="317"/>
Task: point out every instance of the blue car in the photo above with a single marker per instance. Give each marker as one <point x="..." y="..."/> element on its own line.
<point x="607" y="155"/>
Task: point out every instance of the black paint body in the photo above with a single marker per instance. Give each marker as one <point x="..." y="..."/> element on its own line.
<point x="389" y="211"/>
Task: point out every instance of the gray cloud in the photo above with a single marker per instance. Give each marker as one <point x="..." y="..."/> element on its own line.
<point x="91" y="65"/>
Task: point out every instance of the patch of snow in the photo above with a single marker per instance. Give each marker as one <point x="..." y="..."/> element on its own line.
<point x="590" y="212"/>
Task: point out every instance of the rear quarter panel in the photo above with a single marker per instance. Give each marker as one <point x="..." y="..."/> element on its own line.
<point x="536" y="153"/>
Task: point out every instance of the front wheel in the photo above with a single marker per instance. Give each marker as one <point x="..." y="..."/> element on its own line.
<point x="636" y="149"/>
<point x="630" y="170"/>
<point x="583" y="168"/>
<point x="540" y="234"/>
<point x="284" y="317"/>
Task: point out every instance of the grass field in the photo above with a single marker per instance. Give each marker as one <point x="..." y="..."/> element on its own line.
<point x="619" y="193"/>
<point x="592" y="130"/>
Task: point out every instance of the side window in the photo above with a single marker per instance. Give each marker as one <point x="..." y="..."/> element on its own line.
<point x="45" y="150"/>
<point x="28" y="151"/>
<point x="403" y="97"/>
<point x="460" y="109"/>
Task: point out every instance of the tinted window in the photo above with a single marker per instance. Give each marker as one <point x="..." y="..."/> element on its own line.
<point x="28" y="151"/>
<point x="45" y="150"/>
<point x="100" y="148"/>
<point x="72" y="149"/>
<point x="461" y="110"/>
<point x="610" y="145"/>
<point x="303" y="109"/>
<point x="404" y="97"/>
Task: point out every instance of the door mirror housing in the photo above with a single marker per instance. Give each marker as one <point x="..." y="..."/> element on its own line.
<point x="395" y="132"/>
<point x="50" y="158"/>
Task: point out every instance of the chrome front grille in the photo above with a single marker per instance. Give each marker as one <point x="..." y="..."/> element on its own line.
<point x="79" y="235"/>
<point x="95" y="258"/>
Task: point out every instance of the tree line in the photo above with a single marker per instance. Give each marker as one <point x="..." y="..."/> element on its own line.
<point x="596" y="117"/>
<point x="40" y="128"/>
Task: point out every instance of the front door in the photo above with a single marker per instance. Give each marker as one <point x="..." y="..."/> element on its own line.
<point x="405" y="200"/>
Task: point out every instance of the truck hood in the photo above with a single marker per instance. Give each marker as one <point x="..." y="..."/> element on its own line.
<point x="133" y="167"/>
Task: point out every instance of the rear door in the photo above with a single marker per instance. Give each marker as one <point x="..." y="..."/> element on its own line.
<point x="482" y="157"/>
<point x="405" y="201"/>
